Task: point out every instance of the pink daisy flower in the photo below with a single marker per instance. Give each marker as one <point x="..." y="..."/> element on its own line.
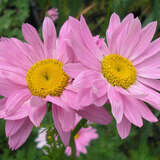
<point x="31" y="74"/>
<point x="82" y="139"/>
<point x="124" y="71"/>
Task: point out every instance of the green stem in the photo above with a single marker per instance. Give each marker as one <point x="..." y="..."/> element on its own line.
<point x="81" y="123"/>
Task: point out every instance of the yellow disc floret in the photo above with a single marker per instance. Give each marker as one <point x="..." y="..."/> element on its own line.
<point x="118" y="71"/>
<point x="76" y="136"/>
<point x="47" y="77"/>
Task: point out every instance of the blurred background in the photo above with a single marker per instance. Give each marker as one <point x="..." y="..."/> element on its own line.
<point x="142" y="144"/>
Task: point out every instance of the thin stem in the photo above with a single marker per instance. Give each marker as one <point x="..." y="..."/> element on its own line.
<point x="81" y="123"/>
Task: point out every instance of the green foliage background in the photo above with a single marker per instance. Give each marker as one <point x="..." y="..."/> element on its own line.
<point x="142" y="144"/>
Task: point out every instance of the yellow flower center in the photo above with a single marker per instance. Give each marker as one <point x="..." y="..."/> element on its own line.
<point x="47" y="77"/>
<point x="76" y="136"/>
<point x="118" y="71"/>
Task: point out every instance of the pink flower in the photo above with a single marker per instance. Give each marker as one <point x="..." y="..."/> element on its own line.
<point x="125" y="72"/>
<point x="53" y="13"/>
<point x="31" y="74"/>
<point x="82" y="140"/>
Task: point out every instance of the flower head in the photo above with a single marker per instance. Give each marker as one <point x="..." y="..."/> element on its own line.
<point x="123" y="72"/>
<point x="53" y="13"/>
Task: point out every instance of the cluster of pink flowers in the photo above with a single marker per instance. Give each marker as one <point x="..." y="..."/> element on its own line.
<point x="78" y="73"/>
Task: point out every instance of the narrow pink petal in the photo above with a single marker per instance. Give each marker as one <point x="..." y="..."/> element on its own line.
<point x="117" y="33"/>
<point x="31" y="36"/>
<point x="132" y="38"/>
<point x="66" y="119"/>
<point x="113" y="24"/>
<point x="137" y="90"/>
<point x="19" y="138"/>
<point x="82" y="82"/>
<point x="7" y="86"/>
<point x="88" y="39"/>
<point x="151" y="73"/>
<point x="152" y="49"/>
<point x="14" y="74"/>
<point x="74" y="69"/>
<point x="153" y="97"/>
<point x="153" y="83"/>
<point x="151" y="62"/>
<point x="12" y="126"/>
<point x="16" y="100"/>
<point x="131" y="112"/>
<point x="81" y="51"/>
<point x="96" y="114"/>
<point x="57" y="101"/>
<point x="99" y="87"/>
<point x="65" y="136"/>
<point x="64" y="51"/>
<point x="145" y="111"/>
<point x="20" y="58"/>
<point x="84" y="97"/>
<point x="101" y="101"/>
<point x="124" y="128"/>
<point x="20" y="113"/>
<point x="65" y="30"/>
<point x="36" y="101"/>
<point x="49" y="36"/>
<point x="68" y="96"/>
<point x="116" y="103"/>
<point x="146" y="36"/>
<point x="37" y="114"/>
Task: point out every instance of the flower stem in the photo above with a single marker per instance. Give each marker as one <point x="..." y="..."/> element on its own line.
<point x="81" y="123"/>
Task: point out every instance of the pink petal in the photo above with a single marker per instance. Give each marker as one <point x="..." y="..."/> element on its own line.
<point x="37" y="114"/>
<point x="65" y="51"/>
<point x="20" y="113"/>
<point x="152" y="97"/>
<point x="31" y="36"/>
<point x="96" y="114"/>
<point x="151" y="73"/>
<point x="99" y="87"/>
<point x="66" y="119"/>
<point x="14" y="74"/>
<point x="88" y="39"/>
<point x="153" y="83"/>
<point x="6" y="87"/>
<point x="18" y="139"/>
<point x="146" y="36"/>
<point x="81" y="51"/>
<point x="36" y="101"/>
<point x="49" y="36"/>
<point x="101" y="101"/>
<point x="65" y="136"/>
<point x="124" y="128"/>
<point x="68" y="96"/>
<point x="145" y="111"/>
<point x="113" y="24"/>
<point x="82" y="82"/>
<point x="131" y="112"/>
<point x="116" y="104"/>
<point x="152" y="49"/>
<point x="132" y="39"/>
<point x="12" y="126"/>
<point x="65" y="30"/>
<point x="57" y="101"/>
<point x="16" y="100"/>
<point x="84" y="97"/>
<point x="74" y="69"/>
